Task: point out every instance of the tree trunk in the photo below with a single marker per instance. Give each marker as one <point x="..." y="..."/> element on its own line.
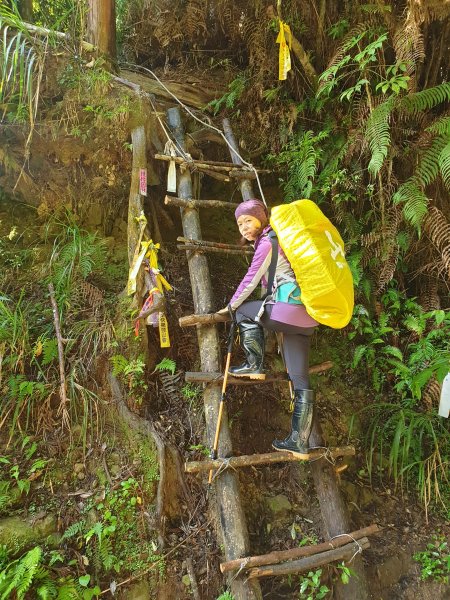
<point x="26" y="10"/>
<point x="102" y="26"/>
<point x="229" y="509"/>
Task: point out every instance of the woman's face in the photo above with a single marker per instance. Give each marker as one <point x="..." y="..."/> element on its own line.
<point x="249" y="227"/>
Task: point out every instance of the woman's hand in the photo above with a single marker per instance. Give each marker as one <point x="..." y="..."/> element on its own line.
<point x="223" y="311"/>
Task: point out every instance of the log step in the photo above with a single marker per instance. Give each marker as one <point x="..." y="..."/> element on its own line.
<point x="311" y="562"/>
<point x="248" y="460"/>
<point x="278" y="556"/>
<point x="192" y="203"/>
<point x="217" y="378"/>
<point x="230" y="168"/>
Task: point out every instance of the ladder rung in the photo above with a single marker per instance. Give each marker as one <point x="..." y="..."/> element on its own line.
<point x="277" y="556"/>
<point x="248" y="460"/>
<point x="203" y="377"/>
<point x="303" y="565"/>
<point x="192" y="203"/>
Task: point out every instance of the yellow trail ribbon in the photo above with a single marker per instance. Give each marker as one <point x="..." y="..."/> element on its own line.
<point x="164" y="340"/>
<point x="284" y="59"/>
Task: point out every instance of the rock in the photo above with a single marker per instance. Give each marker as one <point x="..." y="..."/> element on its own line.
<point x="16" y="533"/>
<point x="94" y="215"/>
<point x="78" y="467"/>
<point x="138" y="591"/>
<point x="186" y="580"/>
<point x="279" y="505"/>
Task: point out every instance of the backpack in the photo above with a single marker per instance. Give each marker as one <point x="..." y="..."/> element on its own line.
<point x="315" y="250"/>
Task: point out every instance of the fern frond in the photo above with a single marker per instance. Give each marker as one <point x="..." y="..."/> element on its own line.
<point x="441" y="126"/>
<point x="426" y="99"/>
<point x="378" y="135"/>
<point x="23" y="572"/>
<point x="73" y="530"/>
<point x="414" y="200"/>
<point x="428" y="168"/>
<point x="444" y="164"/>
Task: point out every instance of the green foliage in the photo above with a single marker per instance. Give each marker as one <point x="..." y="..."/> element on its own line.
<point x="387" y="351"/>
<point x="426" y="99"/>
<point x="76" y="254"/>
<point x="18" y="61"/>
<point x="378" y="135"/>
<point x="311" y="587"/>
<point x="228" y="100"/>
<point x="132" y="373"/>
<point x="301" y="158"/>
<point x="167" y="364"/>
<point x="435" y="561"/>
<point x="226" y="596"/>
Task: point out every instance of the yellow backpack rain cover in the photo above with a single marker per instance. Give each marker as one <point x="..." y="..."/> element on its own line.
<point x="315" y="250"/>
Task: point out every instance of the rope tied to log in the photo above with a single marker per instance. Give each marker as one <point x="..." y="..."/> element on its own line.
<point x="225" y="464"/>
<point x="359" y="547"/>
<point x="327" y="454"/>
<point x="242" y="566"/>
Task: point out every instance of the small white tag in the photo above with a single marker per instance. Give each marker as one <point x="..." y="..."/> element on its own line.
<point x="172" y="177"/>
<point x="444" y="404"/>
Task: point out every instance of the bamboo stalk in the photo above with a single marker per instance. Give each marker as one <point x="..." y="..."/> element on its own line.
<point x="311" y="562"/>
<point x="277" y="556"/>
<point x="62" y="374"/>
<point x="269" y="458"/>
<point x="192" y="203"/>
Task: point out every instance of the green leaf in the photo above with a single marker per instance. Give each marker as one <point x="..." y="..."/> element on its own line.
<point x="84" y="580"/>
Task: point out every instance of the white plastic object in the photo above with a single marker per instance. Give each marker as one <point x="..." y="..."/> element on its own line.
<point x="444" y="404"/>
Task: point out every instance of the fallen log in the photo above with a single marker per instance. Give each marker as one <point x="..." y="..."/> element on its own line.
<point x="191" y="203"/>
<point x="278" y="556"/>
<point x="311" y="562"/>
<point x="248" y="460"/>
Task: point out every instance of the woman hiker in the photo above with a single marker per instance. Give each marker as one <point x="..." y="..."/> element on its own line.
<point x="281" y="311"/>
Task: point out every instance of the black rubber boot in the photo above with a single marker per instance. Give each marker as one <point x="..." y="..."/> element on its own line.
<point x="252" y="341"/>
<point x="302" y="418"/>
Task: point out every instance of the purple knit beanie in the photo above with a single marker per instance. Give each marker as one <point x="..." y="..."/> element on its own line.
<point x="254" y="208"/>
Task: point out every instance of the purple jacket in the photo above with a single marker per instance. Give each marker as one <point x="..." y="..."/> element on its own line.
<point x="292" y="314"/>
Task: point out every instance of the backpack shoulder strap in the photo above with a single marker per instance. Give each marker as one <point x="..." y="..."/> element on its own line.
<point x="273" y="262"/>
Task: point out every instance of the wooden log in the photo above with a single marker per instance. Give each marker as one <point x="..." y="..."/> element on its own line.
<point x="207" y="319"/>
<point x="311" y="562"/>
<point x="101" y="26"/>
<point x="215" y="175"/>
<point x="196" y="96"/>
<point x="245" y="184"/>
<point x="231" y="520"/>
<point x="198" y="248"/>
<point x="213" y="244"/>
<point x="247" y="460"/>
<point x="277" y="556"/>
<point x="191" y="203"/>
<point x="211" y="165"/>
<point x="217" y="378"/>
<point x="58" y="34"/>
<point x="335" y="518"/>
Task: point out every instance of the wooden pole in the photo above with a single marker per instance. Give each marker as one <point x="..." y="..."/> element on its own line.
<point x="335" y="518"/>
<point x="191" y="203"/>
<point x="273" y="558"/>
<point x="311" y="562"/>
<point x="245" y="184"/>
<point x="248" y="460"/>
<point x="212" y="166"/>
<point x="231" y="518"/>
<point x="102" y="26"/>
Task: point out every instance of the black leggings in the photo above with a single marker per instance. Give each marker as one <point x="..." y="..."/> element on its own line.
<point x="296" y="341"/>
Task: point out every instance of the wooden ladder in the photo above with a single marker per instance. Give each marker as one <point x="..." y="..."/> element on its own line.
<point x="245" y="570"/>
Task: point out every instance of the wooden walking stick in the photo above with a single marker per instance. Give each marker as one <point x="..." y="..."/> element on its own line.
<point x="222" y="397"/>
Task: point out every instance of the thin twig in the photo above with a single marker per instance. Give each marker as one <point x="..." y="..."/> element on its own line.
<point x="62" y="374"/>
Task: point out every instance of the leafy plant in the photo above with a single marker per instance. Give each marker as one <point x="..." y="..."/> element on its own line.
<point x="229" y="99"/>
<point x="435" y="561"/>
<point x="311" y="587"/>
<point x="166" y="364"/>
